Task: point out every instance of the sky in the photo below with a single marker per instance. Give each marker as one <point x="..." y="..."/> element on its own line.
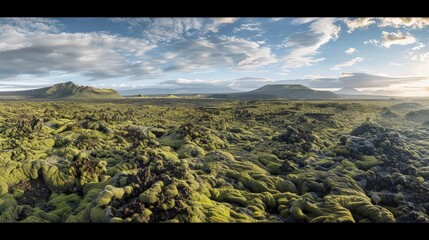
<point x="379" y="55"/>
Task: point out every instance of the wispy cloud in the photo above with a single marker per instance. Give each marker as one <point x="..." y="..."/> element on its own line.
<point x="96" y="55"/>
<point x="243" y="84"/>
<point x="168" y="29"/>
<point x="163" y="29"/>
<point x="404" y="22"/>
<point x="305" y="45"/>
<point x="356" y="80"/>
<point x="248" y="83"/>
<point x="374" y="42"/>
<point x="358" y="23"/>
<point x="418" y="47"/>
<point x="348" y="63"/>
<point x="252" y="27"/>
<point x="231" y="52"/>
<point x="421" y="57"/>
<point x="218" y="22"/>
<point x="350" y="51"/>
<point x="26" y="25"/>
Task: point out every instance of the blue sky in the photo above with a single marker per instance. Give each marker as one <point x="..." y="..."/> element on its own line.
<point x="375" y="54"/>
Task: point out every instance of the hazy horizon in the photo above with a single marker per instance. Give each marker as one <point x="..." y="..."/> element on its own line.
<point x="380" y="55"/>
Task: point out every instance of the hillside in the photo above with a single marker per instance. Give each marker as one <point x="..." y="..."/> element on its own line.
<point x="285" y="91"/>
<point x="67" y="90"/>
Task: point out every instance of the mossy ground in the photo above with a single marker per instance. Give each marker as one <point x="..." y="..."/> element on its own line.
<point x="206" y="160"/>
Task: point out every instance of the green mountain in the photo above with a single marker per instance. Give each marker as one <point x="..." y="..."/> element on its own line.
<point x="67" y="90"/>
<point x="286" y="91"/>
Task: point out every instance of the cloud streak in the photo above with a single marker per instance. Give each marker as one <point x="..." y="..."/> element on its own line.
<point x="348" y="63"/>
<point x="350" y="51"/>
<point x="231" y="52"/>
<point x="304" y="46"/>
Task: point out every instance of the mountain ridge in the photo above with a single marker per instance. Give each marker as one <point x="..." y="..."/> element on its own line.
<point x="67" y="90"/>
<point x="286" y="91"/>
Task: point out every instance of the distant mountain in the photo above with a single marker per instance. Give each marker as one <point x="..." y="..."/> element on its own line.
<point x="286" y="91"/>
<point x="191" y="89"/>
<point x="67" y="90"/>
<point x="349" y="91"/>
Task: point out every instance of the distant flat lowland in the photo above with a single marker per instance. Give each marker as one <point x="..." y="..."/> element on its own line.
<point x="407" y="105"/>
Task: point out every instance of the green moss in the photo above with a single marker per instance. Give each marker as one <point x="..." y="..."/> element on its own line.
<point x="4" y="188"/>
<point x="116" y="220"/>
<point x="7" y="201"/>
<point x="34" y="219"/>
<point x="56" y="179"/>
<point x="190" y="150"/>
<point x="171" y="191"/>
<point x="150" y="196"/>
<point x="367" y="162"/>
<point x="110" y="192"/>
<point x="98" y="215"/>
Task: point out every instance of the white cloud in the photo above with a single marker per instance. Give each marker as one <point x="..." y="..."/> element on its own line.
<point x="103" y="55"/>
<point x="363" y="23"/>
<point x="218" y="22"/>
<point x="418" y="47"/>
<point x="350" y="51"/>
<point x="191" y="81"/>
<point x="245" y="83"/>
<point x="353" y="24"/>
<point x="96" y="55"/>
<point x="374" y="42"/>
<point x="256" y="26"/>
<point x="13" y="46"/>
<point x="356" y="80"/>
<point x="424" y="57"/>
<point x="398" y="38"/>
<point x="404" y="22"/>
<point x="234" y="53"/>
<point x="167" y="29"/>
<point x="300" y="21"/>
<point x="26" y="25"/>
<point x="317" y="76"/>
<point x="348" y="63"/>
<point x="182" y="85"/>
<point x="305" y="45"/>
<point x="421" y="57"/>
